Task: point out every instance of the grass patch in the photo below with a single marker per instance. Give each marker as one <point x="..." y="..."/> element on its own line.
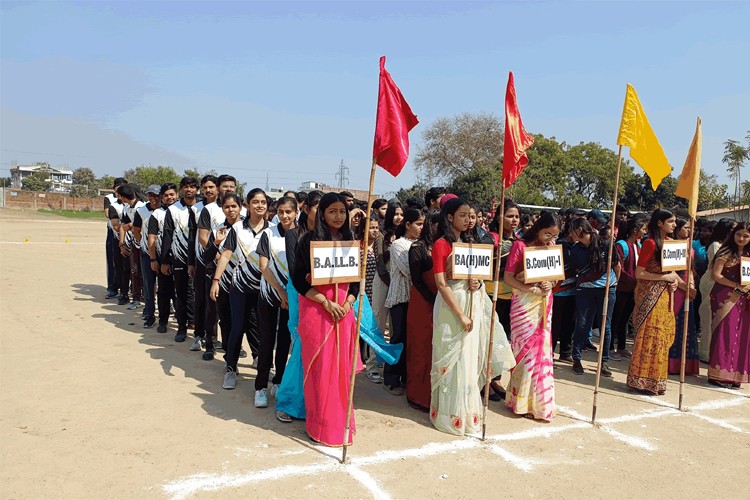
<point x="72" y="214"/>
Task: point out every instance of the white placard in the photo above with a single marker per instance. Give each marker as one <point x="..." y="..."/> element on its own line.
<point x="470" y="261"/>
<point x="334" y="262"/>
<point x="674" y="255"/>
<point x="745" y="271"/>
<point x="543" y="264"/>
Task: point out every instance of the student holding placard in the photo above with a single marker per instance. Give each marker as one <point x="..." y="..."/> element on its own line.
<point x="729" y="365"/>
<point x="461" y="326"/>
<point x="692" y="363"/>
<point x="326" y="329"/>
<point x="653" y="319"/>
<point x="397" y="300"/>
<point x="532" y="385"/>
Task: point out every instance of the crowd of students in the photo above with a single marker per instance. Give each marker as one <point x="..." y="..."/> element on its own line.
<point x="231" y="268"/>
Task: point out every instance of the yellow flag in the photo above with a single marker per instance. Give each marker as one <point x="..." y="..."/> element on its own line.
<point x="687" y="186"/>
<point x="636" y="132"/>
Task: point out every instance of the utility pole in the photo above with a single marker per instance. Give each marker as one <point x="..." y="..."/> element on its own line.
<point x="342" y="176"/>
<point x="267" y="182"/>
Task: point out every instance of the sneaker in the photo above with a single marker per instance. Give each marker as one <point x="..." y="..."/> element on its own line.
<point x="217" y="344"/>
<point x="375" y="378"/>
<point x="230" y="379"/>
<point x="565" y="358"/>
<point x="144" y="316"/>
<point x="255" y="362"/>
<point x="181" y="336"/>
<point x="110" y="295"/>
<point x="134" y="305"/>
<point x="590" y="347"/>
<point x="261" y="399"/>
<point x="625" y="353"/>
<point x="605" y="371"/>
<point x="243" y="353"/>
<point x="122" y="300"/>
<point x="395" y="390"/>
<point x="273" y="390"/>
<point x="615" y="356"/>
<point x="208" y="356"/>
<point x="162" y="328"/>
<point x="283" y="417"/>
<point x="149" y="322"/>
<point x="196" y="345"/>
<point x="577" y="367"/>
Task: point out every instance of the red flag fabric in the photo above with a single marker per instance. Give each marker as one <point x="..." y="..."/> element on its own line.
<point x="394" y="121"/>
<point x="517" y="140"/>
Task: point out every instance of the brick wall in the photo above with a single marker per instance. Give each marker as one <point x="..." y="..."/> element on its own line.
<point x="32" y="200"/>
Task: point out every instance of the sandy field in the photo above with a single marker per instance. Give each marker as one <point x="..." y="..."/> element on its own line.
<point x="94" y="406"/>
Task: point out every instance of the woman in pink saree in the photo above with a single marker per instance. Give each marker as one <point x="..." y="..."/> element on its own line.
<point x="327" y="348"/>
<point x="729" y="365"/>
<point x="532" y="385"/>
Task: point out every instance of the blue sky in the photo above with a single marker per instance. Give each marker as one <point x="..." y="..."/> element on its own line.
<point x="290" y="88"/>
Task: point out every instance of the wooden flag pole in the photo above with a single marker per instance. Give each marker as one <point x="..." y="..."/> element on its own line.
<point x="603" y="326"/>
<point x="686" y="318"/>
<point x="487" y="369"/>
<point x="362" y="279"/>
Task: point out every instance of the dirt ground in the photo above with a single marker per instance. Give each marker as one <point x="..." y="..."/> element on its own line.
<point x="92" y="406"/>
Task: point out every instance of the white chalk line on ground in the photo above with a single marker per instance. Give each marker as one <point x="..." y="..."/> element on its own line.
<point x="182" y="488"/>
<point x="49" y="243"/>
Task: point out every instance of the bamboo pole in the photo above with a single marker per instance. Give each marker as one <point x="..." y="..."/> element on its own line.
<point x="603" y="327"/>
<point x="362" y="278"/>
<point x="487" y="370"/>
<point x="686" y="318"/>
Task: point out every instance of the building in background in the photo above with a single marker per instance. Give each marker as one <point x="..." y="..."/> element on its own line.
<point x="62" y="180"/>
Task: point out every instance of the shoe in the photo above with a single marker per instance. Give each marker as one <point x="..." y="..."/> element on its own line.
<point x="492" y="396"/>
<point x="110" y="295"/>
<point x="162" y="328"/>
<point x="595" y="333"/>
<point x="395" y="390"/>
<point x="230" y="379"/>
<point x="261" y="399"/>
<point x="625" y="353"/>
<point x="590" y="347"/>
<point x="565" y="358"/>
<point x="134" y="305"/>
<point x="149" y="322"/>
<point x="144" y="317"/>
<point x="122" y="301"/>
<point x="283" y="417"/>
<point x="217" y="344"/>
<point x="605" y="371"/>
<point x="498" y="389"/>
<point x="375" y="378"/>
<point x="736" y="386"/>
<point x="615" y="356"/>
<point x="243" y="353"/>
<point x="196" y="345"/>
<point x="577" y="367"/>
<point x="208" y="356"/>
<point x="718" y="383"/>
<point x="181" y="336"/>
<point x="273" y="390"/>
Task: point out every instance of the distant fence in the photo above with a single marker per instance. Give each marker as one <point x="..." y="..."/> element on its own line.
<point x="34" y="200"/>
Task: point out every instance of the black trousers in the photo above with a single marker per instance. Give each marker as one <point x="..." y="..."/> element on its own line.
<point x="200" y="299"/>
<point x="112" y="252"/>
<point x="224" y="312"/>
<point x="395" y="375"/>
<point x="211" y="309"/>
<point x="274" y="330"/>
<point x="184" y="295"/>
<point x="124" y="267"/>
<point x="624" y="306"/>
<point x="244" y="320"/>
<point x="164" y="296"/>
<point x="563" y="323"/>
<point x="502" y="308"/>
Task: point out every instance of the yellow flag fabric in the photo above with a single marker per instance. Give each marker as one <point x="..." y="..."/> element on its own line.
<point x="636" y="133"/>
<point x="687" y="186"/>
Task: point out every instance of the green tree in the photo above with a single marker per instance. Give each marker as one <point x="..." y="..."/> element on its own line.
<point x="37" y="181"/>
<point x="735" y="155"/>
<point x="711" y="194"/>
<point x="455" y="146"/>
<point x="418" y="190"/>
<point x="105" y="182"/>
<point x="481" y="185"/>
<point x="638" y="194"/>
<point x="84" y="183"/>
<point x="194" y="172"/>
<point x="5" y="182"/>
<point x="145" y="175"/>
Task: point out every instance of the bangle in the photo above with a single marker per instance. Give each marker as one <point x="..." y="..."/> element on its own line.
<point x="216" y="280"/>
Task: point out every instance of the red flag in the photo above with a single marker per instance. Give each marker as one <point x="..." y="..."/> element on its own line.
<point x="392" y="126"/>
<point x="517" y="140"/>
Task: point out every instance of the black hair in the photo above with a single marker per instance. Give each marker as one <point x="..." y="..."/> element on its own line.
<point x="188" y="181"/>
<point x="311" y="199"/>
<point x="432" y="194"/>
<point x="255" y="192"/>
<point x="210" y="178"/>
<point x="679" y="224"/>
<point x="231" y="195"/>
<point x="411" y="215"/>
<point x="445" y="226"/>
<point x="389" y="228"/>
<point x="126" y="191"/>
<point x="287" y="200"/>
<point x="346" y="194"/>
<point x="379" y="203"/>
<point x="730" y="246"/>
<point x="427" y="237"/>
<point x="166" y="187"/>
<point x="598" y="247"/>
<point x="627" y="227"/>
<point x="722" y="229"/>
<point x="545" y="220"/>
<point x="224" y="178"/>
<point x="495" y="226"/>
<point x="321" y="232"/>
<point x="659" y="215"/>
<point x="414" y="202"/>
<point x="364" y="225"/>
<point x="119" y="182"/>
